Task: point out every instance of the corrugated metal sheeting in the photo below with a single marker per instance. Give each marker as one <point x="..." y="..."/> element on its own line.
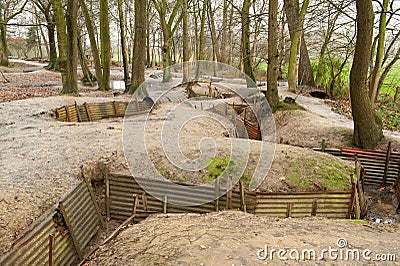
<point x="334" y="204"/>
<point x="89" y="112"/>
<point x="71" y="224"/>
<point x="33" y="247"/>
<point x="378" y="165"/>
<point x="122" y="188"/>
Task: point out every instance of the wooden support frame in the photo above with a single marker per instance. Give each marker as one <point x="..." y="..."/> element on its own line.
<point x="71" y="231"/>
<point x="93" y="197"/>
<point x="387" y="162"/>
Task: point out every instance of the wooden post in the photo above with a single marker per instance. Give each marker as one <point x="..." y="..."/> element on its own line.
<point x="229" y="194"/>
<point x="107" y="190"/>
<point x="57" y="114"/>
<point x="134" y="207"/>
<point x="242" y="198"/>
<point x="165" y="204"/>
<point x="289" y="210"/>
<point x="216" y="194"/>
<point x="356" y="200"/>
<point x="388" y="154"/>
<point x="314" y="207"/>
<point x="144" y="202"/>
<point x="78" y="112"/>
<point x="51" y="249"/>
<point x="89" y="187"/>
<point x="115" y="108"/>
<point x="87" y="112"/>
<point x="353" y="189"/>
<point x="67" y="112"/>
<point x="71" y="231"/>
<point x="323" y="145"/>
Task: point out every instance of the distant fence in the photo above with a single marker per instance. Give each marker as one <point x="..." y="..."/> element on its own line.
<point x="121" y="188"/>
<point x="60" y="235"/>
<point x="89" y="112"/>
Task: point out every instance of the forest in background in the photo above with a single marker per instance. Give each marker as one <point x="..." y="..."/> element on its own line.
<point x="349" y="49"/>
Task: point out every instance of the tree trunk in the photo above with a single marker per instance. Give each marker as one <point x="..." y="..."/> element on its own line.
<point x="246" y="52"/>
<point x="61" y="36"/>
<point x="139" y="46"/>
<point x="295" y="20"/>
<point x="93" y="43"/>
<point x="224" y="37"/>
<point x="106" y="52"/>
<point x="305" y="74"/>
<point x="185" y="37"/>
<point x="213" y="31"/>
<point x="367" y="124"/>
<point x="53" y="58"/>
<point x="123" y="41"/>
<point x="87" y="75"/>
<point x="3" y="38"/>
<point x="373" y="90"/>
<point x="273" y="55"/>
<point x="71" y="78"/>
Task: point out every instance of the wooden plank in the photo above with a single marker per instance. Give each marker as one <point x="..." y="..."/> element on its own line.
<point x="314" y="207"/>
<point x="144" y="202"/>
<point x="216" y="194"/>
<point x="242" y="198"/>
<point x="389" y="151"/>
<point x="51" y="249"/>
<point x="87" y="112"/>
<point x="93" y="197"/>
<point x="165" y="203"/>
<point x="289" y="210"/>
<point x="229" y="194"/>
<point x="115" y="109"/>
<point x="72" y="232"/>
<point x="78" y="112"/>
<point x="67" y="112"/>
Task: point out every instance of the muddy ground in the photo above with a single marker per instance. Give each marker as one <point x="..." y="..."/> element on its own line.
<point x="41" y="159"/>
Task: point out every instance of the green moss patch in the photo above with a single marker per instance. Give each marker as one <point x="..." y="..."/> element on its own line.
<point x="314" y="173"/>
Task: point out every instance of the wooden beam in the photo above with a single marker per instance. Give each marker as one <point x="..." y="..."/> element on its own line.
<point x="388" y="153"/>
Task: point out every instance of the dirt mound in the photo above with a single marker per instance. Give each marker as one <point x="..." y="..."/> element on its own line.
<point x="306" y="129"/>
<point x="235" y="238"/>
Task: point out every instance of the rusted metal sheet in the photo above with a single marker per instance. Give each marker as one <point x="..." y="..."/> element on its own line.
<point x="80" y="215"/>
<point x="89" y="112"/>
<point x="246" y="128"/>
<point x="332" y="204"/>
<point x="33" y="247"/>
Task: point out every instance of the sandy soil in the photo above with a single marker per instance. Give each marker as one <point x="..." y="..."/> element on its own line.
<point x="235" y="238"/>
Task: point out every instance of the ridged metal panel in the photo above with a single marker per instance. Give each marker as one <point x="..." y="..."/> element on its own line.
<point x="97" y="111"/>
<point x="122" y="189"/>
<point x="81" y="212"/>
<point x="329" y="204"/>
<point x="33" y="247"/>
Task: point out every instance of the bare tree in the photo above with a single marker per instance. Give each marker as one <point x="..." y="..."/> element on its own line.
<point x="273" y="55"/>
<point x="367" y="124"/>
<point x="139" y="46"/>
<point x="9" y="9"/>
